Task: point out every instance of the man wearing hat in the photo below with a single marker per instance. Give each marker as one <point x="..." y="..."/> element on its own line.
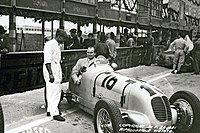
<point x="53" y="74"/>
<point x="3" y="40"/>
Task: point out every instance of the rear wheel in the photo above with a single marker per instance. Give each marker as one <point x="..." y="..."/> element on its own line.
<point x="1" y="120"/>
<point x="188" y="106"/>
<point x="107" y="117"/>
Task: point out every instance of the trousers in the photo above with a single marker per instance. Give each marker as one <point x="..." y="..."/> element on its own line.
<point x="53" y="91"/>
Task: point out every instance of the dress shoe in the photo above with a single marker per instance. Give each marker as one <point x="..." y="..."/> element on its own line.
<point x="48" y="114"/>
<point x="58" y="118"/>
<point x="196" y="73"/>
<point x="173" y="72"/>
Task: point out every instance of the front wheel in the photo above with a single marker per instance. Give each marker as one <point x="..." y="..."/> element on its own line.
<point x="188" y="106"/>
<point x="107" y="117"/>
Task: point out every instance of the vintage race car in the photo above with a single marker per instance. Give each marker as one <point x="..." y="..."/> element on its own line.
<point x="121" y="104"/>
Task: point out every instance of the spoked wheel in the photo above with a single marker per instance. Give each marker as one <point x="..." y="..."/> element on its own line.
<point x="107" y="117"/>
<point x="188" y="106"/>
<point x="104" y="123"/>
<point x="1" y="120"/>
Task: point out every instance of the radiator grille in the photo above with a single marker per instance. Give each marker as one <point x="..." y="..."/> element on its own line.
<point x="161" y="108"/>
<point x="167" y="105"/>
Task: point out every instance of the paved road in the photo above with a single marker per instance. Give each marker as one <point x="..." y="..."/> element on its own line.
<point x="22" y="111"/>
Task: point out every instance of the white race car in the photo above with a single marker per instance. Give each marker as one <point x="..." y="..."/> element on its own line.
<point x="121" y="104"/>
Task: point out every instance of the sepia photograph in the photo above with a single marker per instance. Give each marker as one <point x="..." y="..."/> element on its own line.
<point x="99" y="66"/>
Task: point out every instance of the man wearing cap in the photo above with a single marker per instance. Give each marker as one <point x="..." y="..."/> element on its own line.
<point x="3" y="40"/>
<point x="53" y="74"/>
<point x="72" y="42"/>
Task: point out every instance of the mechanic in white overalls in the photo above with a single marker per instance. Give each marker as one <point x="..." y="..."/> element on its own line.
<point x="53" y="73"/>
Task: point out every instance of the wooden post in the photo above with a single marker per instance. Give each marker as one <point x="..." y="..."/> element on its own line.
<point x="52" y="30"/>
<point x="43" y="31"/>
<point x="160" y="32"/>
<point x="78" y="27"/>
<point x="118" y="26"/>
<point x="12" y="29"/>
<point x="62" y="20"/>
<point x="95" y="31"/>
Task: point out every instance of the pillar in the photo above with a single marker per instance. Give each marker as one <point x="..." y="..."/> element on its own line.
<point x="52" y="30"/>
<point x="78" y="26"/>
<point x="12" y="29"/>
<point x="160" y="32"/>
<point x="118" y="37"/>
<point x="62" y="20"/>
<point x="43" y="31"/>
<point x="95" y="31"/>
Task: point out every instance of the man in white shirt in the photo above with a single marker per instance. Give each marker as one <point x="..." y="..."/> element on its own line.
<point x="53" y="74"/>
<point x="82" y="65"/>
<point x="180" y="52"/>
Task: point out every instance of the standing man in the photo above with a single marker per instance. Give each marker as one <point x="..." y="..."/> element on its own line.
<point x="196" y="55"/>
<point x="180" y="51"/>
<point x="82" y="65"/>
<point x="111" y="46"/>
<point x="3" y="41"/>
<point x="80" y="38"/>
<point x="53" y="73"/>
<point x="149" y="49"/>
<point x="89" y="42"/>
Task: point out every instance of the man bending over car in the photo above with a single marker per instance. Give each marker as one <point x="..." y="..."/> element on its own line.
<point x="82" y="65"/>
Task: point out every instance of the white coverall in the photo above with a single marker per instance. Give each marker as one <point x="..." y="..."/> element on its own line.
<point x="52" y="54"/>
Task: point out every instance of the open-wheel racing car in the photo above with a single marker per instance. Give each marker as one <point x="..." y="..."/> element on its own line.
<point x="121" y="104"/>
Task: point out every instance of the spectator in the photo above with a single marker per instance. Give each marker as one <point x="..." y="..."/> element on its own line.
<point x="149" y="49"/>
<point x="82" y="64"/>
<point x="53" y="73"/>
<point x="179" y="55"/>
<point x="80" y="38"/>
<point x="72" y="41"/>
<point x="101" y="48"/>
<point x="125" y="34"/>
<point x="4" y="44"/>
<point x="112" y="47"/>
<point x="196" y="55"/>
<point x="99" y="36"/>
<point x="122" y="40"/>
<point x="89" y="42"/>
<point x="131" y="40"/>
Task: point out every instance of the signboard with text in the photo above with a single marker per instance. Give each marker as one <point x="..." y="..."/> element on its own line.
<point x="49" y="5"/>
<point x="80" y="8"/>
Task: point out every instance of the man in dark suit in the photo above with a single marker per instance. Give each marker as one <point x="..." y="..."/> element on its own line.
<point x="89" y="42"/>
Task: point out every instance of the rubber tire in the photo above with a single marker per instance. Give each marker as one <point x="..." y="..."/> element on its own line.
<point x="1" y="120"/>
<point x="195" y="104"/>
<point x="113" y="111"/>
